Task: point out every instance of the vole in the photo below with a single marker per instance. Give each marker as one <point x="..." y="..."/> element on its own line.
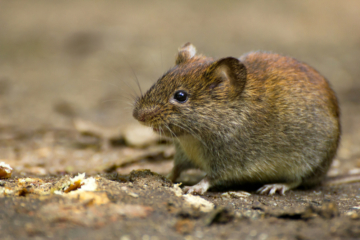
<point x="261" y="118"/>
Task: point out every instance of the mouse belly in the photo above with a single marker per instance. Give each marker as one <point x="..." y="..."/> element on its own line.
<point x="277" y="175"/>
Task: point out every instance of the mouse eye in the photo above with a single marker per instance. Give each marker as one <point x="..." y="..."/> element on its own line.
<point x="181" y="96"/>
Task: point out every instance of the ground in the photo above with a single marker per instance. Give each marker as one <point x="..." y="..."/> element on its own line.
<point x="68" y="73"/>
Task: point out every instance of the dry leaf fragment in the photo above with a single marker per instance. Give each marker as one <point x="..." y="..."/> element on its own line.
<point x="232" y="194"/>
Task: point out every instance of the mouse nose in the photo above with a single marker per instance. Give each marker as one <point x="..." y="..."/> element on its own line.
<point x="136" y="114"/>
<point x="144" y="115"/>
<point x="139" y="115"/>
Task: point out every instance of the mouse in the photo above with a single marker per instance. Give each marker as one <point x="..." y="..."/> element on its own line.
<point x="262" y="118"/>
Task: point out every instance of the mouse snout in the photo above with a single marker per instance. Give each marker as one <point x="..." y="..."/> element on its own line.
<point x="145" y="115"/>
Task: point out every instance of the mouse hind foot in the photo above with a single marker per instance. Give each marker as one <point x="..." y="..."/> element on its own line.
<point x="281" y="188"/>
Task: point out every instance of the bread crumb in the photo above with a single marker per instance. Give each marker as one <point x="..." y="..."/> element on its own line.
<point x="5" y="170"/>
<point x="78" y="184"/>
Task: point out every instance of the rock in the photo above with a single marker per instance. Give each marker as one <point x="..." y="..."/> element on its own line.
<point x="220" y="215"/>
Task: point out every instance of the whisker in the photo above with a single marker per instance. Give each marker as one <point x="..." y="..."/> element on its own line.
<point x="130" y="105"/>
<point x="112" y="100"/>
<point x="161" y="56"/>
<point x="136" y="78"/>
<point x="171" y="132"/>
<point x="167" y="126"/>
<point x="193" y="134"/>
<point x="115" y="70"/>
<point x="120" y="88"/>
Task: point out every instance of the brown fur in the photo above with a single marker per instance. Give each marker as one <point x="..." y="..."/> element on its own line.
<point x="265" y="118"/>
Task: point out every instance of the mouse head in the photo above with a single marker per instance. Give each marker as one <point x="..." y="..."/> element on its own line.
<point x="188" y="93"/>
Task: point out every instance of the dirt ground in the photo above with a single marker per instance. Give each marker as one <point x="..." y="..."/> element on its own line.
<point x="68" y="74"/>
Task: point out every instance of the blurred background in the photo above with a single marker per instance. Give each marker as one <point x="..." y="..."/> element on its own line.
<point x="66" y="59"/>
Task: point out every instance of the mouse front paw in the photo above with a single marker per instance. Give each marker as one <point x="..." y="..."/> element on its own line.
<point x="172" y="176"/>
<point x="281" y="188"/>
<point x="199" y="189"/>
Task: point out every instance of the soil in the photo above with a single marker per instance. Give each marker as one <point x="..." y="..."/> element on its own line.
<point x="67" y="73"/>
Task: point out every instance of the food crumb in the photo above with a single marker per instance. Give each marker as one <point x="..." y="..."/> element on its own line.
<point x="5" y="170"/>
<point x="79" y="184"/>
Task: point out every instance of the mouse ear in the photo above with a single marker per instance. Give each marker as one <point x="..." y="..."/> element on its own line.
<point x="186" y="52"/>
<point x="232" y="70"/>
